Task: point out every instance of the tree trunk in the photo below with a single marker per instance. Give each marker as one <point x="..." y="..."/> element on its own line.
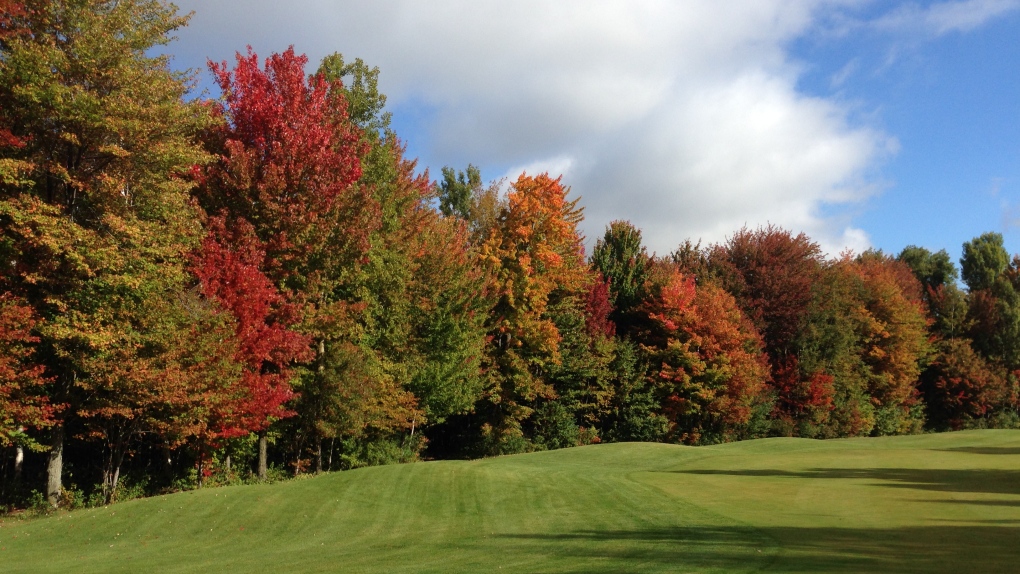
<point x="226" y="465"/>
<point x="113" y="483"/>
<point x="329" y="463"/>
<point x="19" y="462"/>
<point x="410" y="441"/>
<point x="263" y="446"/>
<point x="318" y="455"/>
<point x="113" y="473"/>
<point x="107" y="474"/>
<point x="55" y="468"/>
<point x="297" y="454"/>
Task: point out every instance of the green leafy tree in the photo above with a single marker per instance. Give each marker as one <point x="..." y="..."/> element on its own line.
<point x="984" y="261"/>
<point x="457" y="190"/>
<point x="583" y="379"/>
<point x="535" y="258"/>
<point x="403" y="335"/>
<point x="621" y="258"/>
<point x="993" y="281"/>
<point x="947" y="303"/>
<point x="933" y="270"/>
<point x="634" y="412"/>
<point x="358" y="85"/>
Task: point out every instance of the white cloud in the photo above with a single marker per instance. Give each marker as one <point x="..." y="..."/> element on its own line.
<point x="840" y="78"/>
<point x="556" y="166"/>
<point x="683" y="117"/>
<point x="945" y="17"/>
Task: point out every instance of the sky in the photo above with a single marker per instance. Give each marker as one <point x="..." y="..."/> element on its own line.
<point x="864" y="124"/>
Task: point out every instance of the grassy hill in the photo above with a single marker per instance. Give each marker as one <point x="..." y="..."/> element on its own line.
<point x="932" y="503"/>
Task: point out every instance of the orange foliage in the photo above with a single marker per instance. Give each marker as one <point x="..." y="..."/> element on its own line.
<point x="707" y="359"/>
<point x="895" y="328"/>
<point x="534" y="252"/>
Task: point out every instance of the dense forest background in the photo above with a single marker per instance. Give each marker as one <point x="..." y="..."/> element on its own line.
<point x="201" y="292"/>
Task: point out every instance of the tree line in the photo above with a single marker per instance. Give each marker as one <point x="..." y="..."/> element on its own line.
<point x="203" y="291"/>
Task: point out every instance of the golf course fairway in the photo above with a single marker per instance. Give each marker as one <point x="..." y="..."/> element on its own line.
<point x="929" y="503"/>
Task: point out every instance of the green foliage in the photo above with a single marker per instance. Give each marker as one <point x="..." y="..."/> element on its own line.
<point x="994" y="299"/>
<point x="554" y="427"/>
<point x="583" y="378"/>
<point x="401" y="330"/>
<point x="984" y="260"/>
<point x="634" y="411"/>
<point x="358" y="453"/>
<point x="360" y="89"/>
<point x="457" y="190"/>
<point x="931" y="269"/>
<point x="622" y="260"/>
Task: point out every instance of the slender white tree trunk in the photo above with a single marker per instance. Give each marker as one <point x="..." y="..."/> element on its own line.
<point x="263" y="447"/>
<point x="55" y="467"/>
<point x="19" y="462"/>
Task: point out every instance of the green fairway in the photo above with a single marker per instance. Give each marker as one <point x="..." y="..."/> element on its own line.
<point x="932" y="503"/>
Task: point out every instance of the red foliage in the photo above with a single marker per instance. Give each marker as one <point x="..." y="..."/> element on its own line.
<point x="801" y="399"/>
<point x="289" y="157"/>
<point x="960" y="386"/>
<point x="598" y="308"/>
<point x="711" y="370"/>
<point x="771" y="274"/>
<point x="21" y="402"/>
<point x="10" y="10"/>
<point x="228" y="269"/>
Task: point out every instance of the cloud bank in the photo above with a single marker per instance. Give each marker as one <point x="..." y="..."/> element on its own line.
<point x="682" y="117"/>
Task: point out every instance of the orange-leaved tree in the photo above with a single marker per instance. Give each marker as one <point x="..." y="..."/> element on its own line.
<point x="706" y="359"/>
<point x="534" y="255"/>
<point x="895" y="342"/>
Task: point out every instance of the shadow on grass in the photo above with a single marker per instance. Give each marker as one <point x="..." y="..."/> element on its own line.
<point x="989" y="481"/>
<point x="964" y="548"/>
<point x="977" y="502"/>
<point x="983" y="449"/>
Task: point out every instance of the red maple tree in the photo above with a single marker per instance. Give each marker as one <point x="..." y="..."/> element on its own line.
<point x="288" y="156"/>
<point x="228" y="268"/>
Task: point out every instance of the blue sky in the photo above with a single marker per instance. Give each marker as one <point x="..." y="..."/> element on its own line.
<point x="862" y="123"/>
<point x="952" y="100"/>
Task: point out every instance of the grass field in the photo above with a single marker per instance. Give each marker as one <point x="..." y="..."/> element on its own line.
<point x="932" y="503"/>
